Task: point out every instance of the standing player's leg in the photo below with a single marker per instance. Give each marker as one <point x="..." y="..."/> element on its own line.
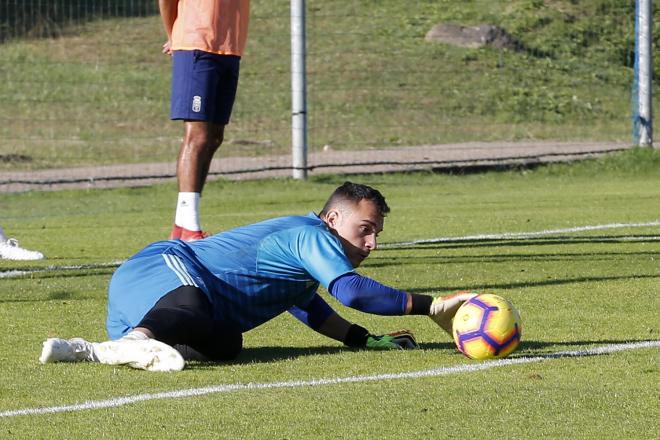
<point x="200" y="142"/>
<point x="203" y="93"/>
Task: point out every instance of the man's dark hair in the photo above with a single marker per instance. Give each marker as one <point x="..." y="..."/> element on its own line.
<point x="354" y="192"/>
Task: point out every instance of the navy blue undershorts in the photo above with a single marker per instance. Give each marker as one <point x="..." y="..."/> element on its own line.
<point x="203" y="86"/>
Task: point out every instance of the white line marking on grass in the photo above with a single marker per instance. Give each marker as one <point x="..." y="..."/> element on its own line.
<point x="218" y="389"/>
<point x="14" y="273"/>
<point x="510" y="235"/>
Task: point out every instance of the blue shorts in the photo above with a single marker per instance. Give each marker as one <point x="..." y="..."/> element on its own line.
<point x="203" y="86"/>
<point x="138" y="284"/>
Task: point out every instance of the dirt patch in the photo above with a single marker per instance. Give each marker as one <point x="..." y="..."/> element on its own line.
<point x="464" y="156"/>
<point x="473" y="37"/>
<point x="15" y="158"/>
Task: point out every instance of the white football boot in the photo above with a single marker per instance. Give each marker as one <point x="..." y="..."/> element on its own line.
<point x="143" y="354"/>
<point x="10" y="250"/>
<point x="66" y="350"/>
<point x="147" y="354"/>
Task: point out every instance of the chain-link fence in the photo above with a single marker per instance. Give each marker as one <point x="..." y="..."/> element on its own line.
<point x="83" y="82"/>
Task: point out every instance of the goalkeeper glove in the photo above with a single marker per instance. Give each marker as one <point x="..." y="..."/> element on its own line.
<point x="399" y="340"/>
<point x="443" y="308"/>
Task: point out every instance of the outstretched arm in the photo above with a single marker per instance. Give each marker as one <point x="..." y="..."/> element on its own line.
<point x="335" y="327"/>
<point x="369" y="296"/>
<point x="319" y="316"/>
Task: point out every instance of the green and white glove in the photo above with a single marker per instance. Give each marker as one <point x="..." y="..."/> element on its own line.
<point x="443" y="308"/>
<point x="399" y="340"/>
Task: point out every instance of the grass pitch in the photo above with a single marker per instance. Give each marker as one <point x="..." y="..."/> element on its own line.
<point x="100" y="93"/>
<point x="575" y="290"/>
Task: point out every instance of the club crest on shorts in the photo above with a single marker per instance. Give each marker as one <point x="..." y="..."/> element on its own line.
<point x="197" y="104"/>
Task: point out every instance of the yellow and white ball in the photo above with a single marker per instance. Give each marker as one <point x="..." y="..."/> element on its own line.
<point x="487" y="327"/>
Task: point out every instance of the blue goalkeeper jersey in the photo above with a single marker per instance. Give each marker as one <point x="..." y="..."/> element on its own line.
<point x="250" y="274"/>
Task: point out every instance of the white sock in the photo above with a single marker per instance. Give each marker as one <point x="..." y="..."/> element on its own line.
<point x="134" y="335"/>
<point x="187" y="211"/>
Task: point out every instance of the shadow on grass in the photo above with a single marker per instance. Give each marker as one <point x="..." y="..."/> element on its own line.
<point x="543" y="345"/>
<point x="381" y="262"/>
<point x="269" y="354"/>
<point x="523" y="284"/>
<point x="58" y="295"/>
<point x="45" y="274"/>
<point x="526" y="349"/>
<point x="534" y="347"/>
<point x="450" y="243"/>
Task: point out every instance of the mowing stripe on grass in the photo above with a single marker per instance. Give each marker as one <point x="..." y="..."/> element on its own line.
<point x="15" y="273"/>
<point x="218" y="389"/>
<point x="514" y="235"/>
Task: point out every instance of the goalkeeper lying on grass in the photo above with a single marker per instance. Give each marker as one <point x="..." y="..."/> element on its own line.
<point x="176" y="300"/>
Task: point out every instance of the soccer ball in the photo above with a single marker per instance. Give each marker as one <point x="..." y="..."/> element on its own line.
<point x="486" y="327"/>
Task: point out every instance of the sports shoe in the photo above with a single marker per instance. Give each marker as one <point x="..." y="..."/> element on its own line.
<point x="10" y="250"/>
<point x="66" y="350"/>
<point x="148" y="354"/>
<point x="180" y="233"/>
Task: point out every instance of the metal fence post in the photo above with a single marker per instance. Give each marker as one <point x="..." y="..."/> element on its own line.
<point x="645" y="72"/>
<point x="298" y="91"/>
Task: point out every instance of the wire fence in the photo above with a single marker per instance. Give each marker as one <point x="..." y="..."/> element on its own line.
<point x="52" y="18"/>
<point x="83" y="82"/>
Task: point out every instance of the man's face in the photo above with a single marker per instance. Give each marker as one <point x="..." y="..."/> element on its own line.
<point x="357" y="225"/>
